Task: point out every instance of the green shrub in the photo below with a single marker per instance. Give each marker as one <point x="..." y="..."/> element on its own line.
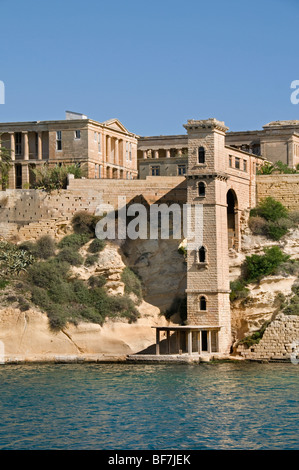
<point x="294" y="217"/>
<point x="84" y="222"/>
<point x="276" y="230"/>
<point x="255" y="337"/>
<point x="43" y="248"/>
<point x="3" y="283"/>
<point x="270" y="209"/>
<point x="91" y="260"/>
<point x="14" y="259"/>
<point x="54" y="178"/>
<point x="75" y="240"/>
<point x="70" y="256"/>
<point x="97" y="281"/>
<point x="258" y="225"/>
<point x="258" y="266"/>
<point x="132" y="283"/>
<point x="238" y="290"/>
<point x="96" y="245"/>
<point x="48" y="273"/>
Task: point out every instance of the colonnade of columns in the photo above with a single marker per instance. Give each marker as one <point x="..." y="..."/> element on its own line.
<point x="169" y="152"/>
<point x="188" y="332"/>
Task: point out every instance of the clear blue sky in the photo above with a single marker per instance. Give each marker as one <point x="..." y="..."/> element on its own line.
<point x="151" y="64"/>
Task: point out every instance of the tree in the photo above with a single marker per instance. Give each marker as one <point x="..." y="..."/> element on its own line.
<point x="5" y="164"/>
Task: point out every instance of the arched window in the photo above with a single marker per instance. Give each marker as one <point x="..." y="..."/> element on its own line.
<point x="202" y="254"/>
<point x="201" y="189"/>
<point x="202" y="303"/>
<point x="201" y="155"/>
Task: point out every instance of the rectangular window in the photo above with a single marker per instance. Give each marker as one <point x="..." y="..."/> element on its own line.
<point x="127" y="151"/>
<point x="130" y="152"/>
<point x="237" y="163"/>
<point x="99" y="143"/>
<point x="245" y="165"/>
<point x="78" y="134"/>
<point x="58" y="141"/>
<point x="155" y="170"/>
<point x="230" y="161"/>
<point x="181" y="169"/>
<point x="18" y="143"/>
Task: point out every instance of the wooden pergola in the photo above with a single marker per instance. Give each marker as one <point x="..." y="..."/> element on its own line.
<point x="188" y="330"/>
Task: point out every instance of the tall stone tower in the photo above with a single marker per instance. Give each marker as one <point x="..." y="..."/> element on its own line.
<point x="208" y="304"/>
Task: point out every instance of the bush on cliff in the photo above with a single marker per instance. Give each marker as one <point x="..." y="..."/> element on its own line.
<point x="85" y="222"/>
<point x="132" y="283"/>
<point x="272" y="219"/>
<point x="43" y="248"/>
<point x="258" y="266"/>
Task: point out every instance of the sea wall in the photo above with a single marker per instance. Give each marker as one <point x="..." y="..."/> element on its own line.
<point x="279" y="342"/>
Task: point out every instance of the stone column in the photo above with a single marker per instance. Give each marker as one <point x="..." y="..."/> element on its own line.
<point x="190" y="342"/>
<point x="116" y="152"/>
<point x="39" y="146"/>
<point x="12" y="145"/>
<point x="26" y="145"/>
<point x="167" y="153"/>
<point x="209" y="341"/>
<point x="144" y="154"/>
<point x="179" y="153"/>
<point x="168" y="341"/>
<point x="157" y="341"/>
<point x="12" y="177"/>
<point x="199" y="342"/>
<point x="108" y="150"/>
<point x="25" y="175"/>
<point x="156" y="153"/>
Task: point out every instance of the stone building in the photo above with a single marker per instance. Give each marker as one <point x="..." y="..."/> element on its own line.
<point x="168" y="155"/>
<point x="222" y="180"/>
<point x="103" y="150"/>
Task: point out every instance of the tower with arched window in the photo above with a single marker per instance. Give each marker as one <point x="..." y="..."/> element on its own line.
<point x="208" y="304"/>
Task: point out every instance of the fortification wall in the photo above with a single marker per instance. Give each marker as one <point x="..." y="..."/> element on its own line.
<point x="283" y="188"/>
<point x="29" y="214"/>
<point x="279" y="341"/>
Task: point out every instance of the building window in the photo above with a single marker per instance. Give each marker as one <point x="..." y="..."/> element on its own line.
<point x="58" y="141"/>
<point x="230" y="161"/>
<point x="95" y="136"/>
<point x="155" y="170"/>
<point x="202" y="303"/>
<point x="99" y="143"/>
<point x="78" y="134"/>
<point x="237" y="163"/>
<point x="201" y="189"/>
<point x="127" y="151"/>
<point x="245" y="165"/>
<point x="130" y="151"/>
<point x="201" y="155"/>
<point x="181" y="169"/>
<point x="202" y="254"/>
<point x="100" y="171"/>
<point x="18" y="143"/>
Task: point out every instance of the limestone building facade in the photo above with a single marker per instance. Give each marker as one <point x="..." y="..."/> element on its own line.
<point x="103" y="150"/>
<point x="168" y="156"/>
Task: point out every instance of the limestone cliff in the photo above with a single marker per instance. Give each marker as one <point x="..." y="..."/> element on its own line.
<point x="264" y="303"/>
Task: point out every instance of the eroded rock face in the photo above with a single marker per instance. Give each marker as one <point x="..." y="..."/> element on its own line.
<point x="161" y="267"/>
<point x="26" y="335"/>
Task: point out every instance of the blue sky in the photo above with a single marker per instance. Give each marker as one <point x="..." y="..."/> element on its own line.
<point x="151" y="64"/>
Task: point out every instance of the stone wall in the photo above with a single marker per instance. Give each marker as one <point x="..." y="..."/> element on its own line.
<point x="283" y="188"/>
<point x="29" y="214"/>
<point x="279" y="341"/>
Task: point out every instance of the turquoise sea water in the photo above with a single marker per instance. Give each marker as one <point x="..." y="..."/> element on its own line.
<point x="124" y="406"/>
